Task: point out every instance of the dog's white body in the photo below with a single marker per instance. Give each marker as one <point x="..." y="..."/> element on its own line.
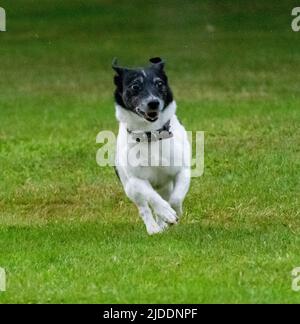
<point x="155" y="189"/>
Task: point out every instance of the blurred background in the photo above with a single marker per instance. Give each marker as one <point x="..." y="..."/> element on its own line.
<point x="227" y="61"/>
<point x="216" y="50"/>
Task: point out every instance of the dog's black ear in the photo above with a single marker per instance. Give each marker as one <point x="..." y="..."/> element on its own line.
<point x="120" y="70"/>
<point x="119" y="76"/>
<point x="157" y="63"/>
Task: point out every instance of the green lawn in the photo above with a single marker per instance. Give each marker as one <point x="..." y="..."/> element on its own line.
<point x="67" y="231"/>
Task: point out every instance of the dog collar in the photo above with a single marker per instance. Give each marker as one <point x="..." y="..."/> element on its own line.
<point x="157" y="135"/>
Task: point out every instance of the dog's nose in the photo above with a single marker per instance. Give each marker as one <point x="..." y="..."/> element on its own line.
<point x="153" y="105"/>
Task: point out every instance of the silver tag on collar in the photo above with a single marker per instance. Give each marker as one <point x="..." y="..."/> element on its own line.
<point x="139" y="137"/>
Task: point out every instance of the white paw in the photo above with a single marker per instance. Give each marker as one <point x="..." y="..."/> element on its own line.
<point x="177" y="205"/>
<point x="162" y="224"/>
<point x="153" y="228"/>
<point x="165" y="212"/>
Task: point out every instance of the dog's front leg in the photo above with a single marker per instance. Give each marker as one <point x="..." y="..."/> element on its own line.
<point x="146" y="215"/>
<point x="181" y="187"/>
<point x="142" y="194"/>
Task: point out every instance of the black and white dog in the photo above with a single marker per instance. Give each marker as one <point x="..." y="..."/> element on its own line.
<point x="145" y="109"/>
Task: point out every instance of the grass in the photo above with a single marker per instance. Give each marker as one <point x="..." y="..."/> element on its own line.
<point x="67" y="231"/>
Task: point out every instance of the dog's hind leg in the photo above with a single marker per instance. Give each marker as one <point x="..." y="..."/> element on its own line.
<point x="181" y="187"/>
<point x="165" y="193"/>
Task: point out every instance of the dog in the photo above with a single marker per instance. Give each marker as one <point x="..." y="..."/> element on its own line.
<point x="146" y="111"/>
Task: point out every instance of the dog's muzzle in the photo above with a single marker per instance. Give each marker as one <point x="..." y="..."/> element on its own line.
<point x="151" y="112"/>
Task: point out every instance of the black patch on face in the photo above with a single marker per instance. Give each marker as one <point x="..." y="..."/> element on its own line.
<point x="133" y="86"/>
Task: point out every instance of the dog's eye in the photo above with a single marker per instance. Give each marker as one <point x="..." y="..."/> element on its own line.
<point x="135" y="87"/>
<point x="159" y="84"/>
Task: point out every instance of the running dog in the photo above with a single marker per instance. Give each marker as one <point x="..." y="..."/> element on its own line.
<point x="153" y="152"/>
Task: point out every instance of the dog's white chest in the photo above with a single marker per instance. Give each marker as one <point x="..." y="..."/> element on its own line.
<point x="156" y="161"/>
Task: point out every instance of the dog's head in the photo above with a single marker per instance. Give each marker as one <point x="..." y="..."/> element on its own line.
<point x="144" y="91"/>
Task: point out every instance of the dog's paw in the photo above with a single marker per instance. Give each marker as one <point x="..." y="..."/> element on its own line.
<point x="153" y="228"/>
<point x="165" y="212"/>
<point x="176" y="205"/>
<point x="162" y="224"/>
